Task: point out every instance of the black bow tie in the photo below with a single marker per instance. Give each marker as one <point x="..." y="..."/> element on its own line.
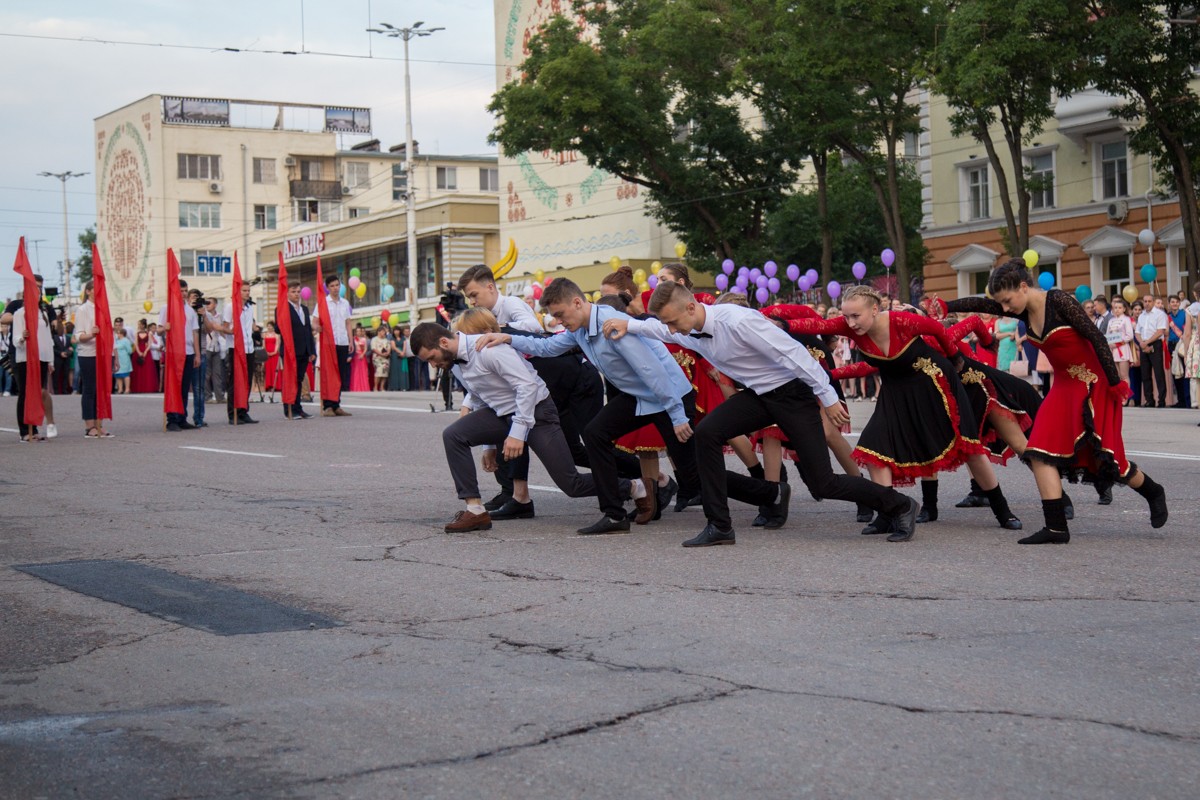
<point x="700" y="335"/>
<point x="460" y="361"/>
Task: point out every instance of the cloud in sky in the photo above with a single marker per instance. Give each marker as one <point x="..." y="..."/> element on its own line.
<point x="53" y="90"/>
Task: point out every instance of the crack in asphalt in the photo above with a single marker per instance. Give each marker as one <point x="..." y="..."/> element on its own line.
<point x="109" y="645"/>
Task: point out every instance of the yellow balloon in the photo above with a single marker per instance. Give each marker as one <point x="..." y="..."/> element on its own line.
<point x="539" y="276"/>
<point x="615" y="263"/>
<point x="639" y="276"/>
<point x="148" y="306"/>
<point x="361" y="291"/>
<point x="680" y="249"/>
<point x="595" y="295"/>
<point x="374" y="322"/>
<point x="655" y="267"/>
<point x="1130" y="293"/>
<point x="643" y="286"/>
<point x="1031" y="258"/>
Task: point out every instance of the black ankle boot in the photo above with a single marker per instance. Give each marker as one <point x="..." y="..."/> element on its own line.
<point x="864" y="513"/>
<point x="1046" y="536"/>
<point x="929" y="497"/>
<point x="1055" y="531"/>
<point x="881" y="524"/>
<point x="974" y="499"/>
<point x="1000" y="508"/>
<point x="1156" y="496"/>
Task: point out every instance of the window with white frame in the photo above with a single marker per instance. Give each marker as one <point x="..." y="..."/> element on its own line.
<point x="264" y="218"/>
<point x="199" y="215"/>
<point x="1116" y="274"/>
<point x="399" y="182"/>
<point x="264" y="170"/>
<point x="356" y="212"/>
<point x="187" y="259"/>
<point x="310" y="170"/>
<point x="1040" y="181"/>
<point x="447" y="178"/>
<point x="489" y="179"/>
<point x="357" y="174"/>
<point x="198" y="167"/>
<point x="1047" y="265"/>
<point x="978" y="192"/>
<point x="1114" y="170"/>
<point x="979" y="282"/>
<point x="316" y="211"/>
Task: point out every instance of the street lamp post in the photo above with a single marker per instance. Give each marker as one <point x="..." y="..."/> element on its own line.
<point x="411" y="213"/>
<point x="64" y="177"/>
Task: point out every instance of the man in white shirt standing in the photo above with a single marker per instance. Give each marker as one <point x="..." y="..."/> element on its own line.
<point x="479" y="286"/>
<point x="339" y="319"/>
<point x="216" y="348"/>
<point x="191" y="361"/>
<point x="226" y="333"/>
<point x="1152" y="333"/>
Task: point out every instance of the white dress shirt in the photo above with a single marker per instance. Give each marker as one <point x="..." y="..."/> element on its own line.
<point x="85" y="320"/>
<point x="513" y="312"/>
<point x="191" y="324"/>
<point x="45" y="342"/>
<point x="339" y="312"/>
<point x="1150" y="321"/>
<point x="749" y="348"/>
<point x="501" y="379"/>
<point x="247" y="327"/>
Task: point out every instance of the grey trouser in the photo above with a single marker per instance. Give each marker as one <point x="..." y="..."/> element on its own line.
<point x="215" y="376"/>
<point x="483" y="427"/>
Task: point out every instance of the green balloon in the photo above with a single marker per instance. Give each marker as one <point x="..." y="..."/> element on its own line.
<point x="1" y="306"/>
<point x="355" y="272"/>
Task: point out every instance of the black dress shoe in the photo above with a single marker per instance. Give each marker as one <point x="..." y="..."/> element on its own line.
<point x="710" y="537"/>
<point x="906" y="523"/>
<point x="498" y="501"/>
<point x="605" y="525"/>
<point x="246" y="419"/>
<point x="513" y="510"/>
<point x="928" y="514"/>
<point x="682" y="502"/>
<point x="1012" y="524"/>
<point x="759" y="521"/>
<point x="1105" y="492"/>
<point x="302" y="414"/>
<point x="1046" y="536"/>
<point x="881" y="524"/>
<point x="186" y="426"/>
<point x="973" y="501"/>
<point x="173" y="427"/>
<point x="665" y="494"/>
<point x="864" y="513"/>
<point x="777" y="513"/>
<point x="200" y="424"/>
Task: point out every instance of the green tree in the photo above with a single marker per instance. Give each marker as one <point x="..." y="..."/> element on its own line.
<point x="647" y="92"/>
<point x="83" y="262"/>
<point x="997" y="65"/>
<point x="1146" y="53"/>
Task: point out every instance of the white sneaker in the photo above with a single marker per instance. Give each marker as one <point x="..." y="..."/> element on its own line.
<point x="51" y="431"/>
<point x="7" y="394"/>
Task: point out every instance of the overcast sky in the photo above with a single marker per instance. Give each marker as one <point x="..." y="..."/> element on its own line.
<point x="53" y="90"/>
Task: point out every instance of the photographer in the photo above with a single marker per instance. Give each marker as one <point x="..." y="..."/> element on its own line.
<point x="191" y="361"/>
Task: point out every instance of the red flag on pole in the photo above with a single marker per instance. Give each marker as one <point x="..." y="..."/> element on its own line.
<point x="331" y="374"/>
<point x="31" y="305"/>
<point x="241" y="380"/>
<point x="104" y="341"/>
<point x="283" y="321"/>
<point x="176" y="340"/>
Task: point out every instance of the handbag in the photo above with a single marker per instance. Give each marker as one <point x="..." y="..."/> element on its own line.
<point x="1019" y="366"/>
<point x="1178" y="368"/>
<point x="1135" y="354"/>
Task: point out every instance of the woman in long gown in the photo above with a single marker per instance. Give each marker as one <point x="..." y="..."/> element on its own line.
<point x="360" y="381"/>
<point x="145" y="377"/>
<point x="1079" y="422"/>
<point x="398" y="368"/>
<point x="271" y="367"/>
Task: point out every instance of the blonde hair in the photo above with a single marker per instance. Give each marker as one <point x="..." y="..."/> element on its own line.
<point x="669" y="293"/>
<point x="734" y="298"/>
<point x="477" y="320"/>
<point x="865" y="293"/>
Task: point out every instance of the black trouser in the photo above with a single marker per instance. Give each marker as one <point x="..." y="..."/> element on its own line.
<point x="229" y="392"/>
<point x="185" y="389"/>
<point x="1155" y="359"/>
<point x="445" y="386"/>
<point x="618" y="418"/>
<point x="794" y="408"/>
<point x="301" y="369"/>
<point x="343" y="359"/>
<point x="61" y="367"/>
<point x="19" y="375"/>
<point x="87" y="386"/>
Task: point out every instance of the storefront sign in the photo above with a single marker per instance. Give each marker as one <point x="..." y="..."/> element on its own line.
<point x="303" y="246"/>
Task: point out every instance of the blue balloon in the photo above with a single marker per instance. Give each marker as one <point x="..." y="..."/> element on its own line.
<point x="1046" y="280"/>
<point x="1149" y="273"/>
<point x="1083" y="292"/>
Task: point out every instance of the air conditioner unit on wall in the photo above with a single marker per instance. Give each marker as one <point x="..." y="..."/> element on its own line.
<point x="1118" y="210"/>
<point x="345" y="189"/>
<point x="214" y="187"/>
<point x="289" y="161"/>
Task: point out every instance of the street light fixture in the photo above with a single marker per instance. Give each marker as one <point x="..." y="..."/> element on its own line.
<point x="407" y="34"/>
<point x="64" y="177"/>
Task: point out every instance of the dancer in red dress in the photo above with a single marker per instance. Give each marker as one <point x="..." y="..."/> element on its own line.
<point x="271" y="367"/>
<point x="923" y="422"/>
<point x="145" y="375"/>
<point x="1079" y="423"/>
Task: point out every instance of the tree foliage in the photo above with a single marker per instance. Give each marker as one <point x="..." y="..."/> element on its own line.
<point x="83" y="262"/>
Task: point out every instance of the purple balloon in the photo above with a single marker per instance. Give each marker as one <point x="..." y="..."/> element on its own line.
<point x="813" y="277"/>
<point x="652" y="281"/>
<point x="742" y="281"/>
<point x="773" y="285"/>
<point x="762" y="295"/>
<point x="793" y="273"/>
<point x="860" y="270"/>
<point x="727" y="266"/>
<point x="770" y="268"/>
<point x="755" y="274"/>
<point x="834" y="288"/>
<point x="761" y="281"/>
<point x="743" y="271"/>
<point x="804" y="284"/>
<point x="888" y="257"/>
<point x="723" y="282"/>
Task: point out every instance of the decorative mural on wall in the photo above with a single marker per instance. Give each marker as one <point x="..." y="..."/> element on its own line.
<point x="125" y="230"/>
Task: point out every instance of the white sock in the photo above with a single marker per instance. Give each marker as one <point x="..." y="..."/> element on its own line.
<point x="475" y="508"/>
<point x="663" y="479"/>
<point x="638" y="489"/>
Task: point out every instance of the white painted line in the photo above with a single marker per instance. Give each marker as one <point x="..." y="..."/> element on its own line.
<point x="546" y="488"/>
<point x="1175" y="456"/>
<point x="230" y="452"/>
<point x="388" y="408"/>
<point x="11" y="430"/>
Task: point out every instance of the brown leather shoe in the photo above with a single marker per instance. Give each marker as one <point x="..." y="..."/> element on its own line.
<point x="341" y="412"/>
<point x="647" y="505"/>
<point x="327" y="412"/>
<point x="464" y="522"/>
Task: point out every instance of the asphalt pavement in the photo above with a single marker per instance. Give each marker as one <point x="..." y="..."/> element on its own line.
<point x="528" y="662"/>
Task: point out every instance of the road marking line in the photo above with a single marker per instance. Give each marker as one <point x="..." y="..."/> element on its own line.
<point x="230" y="452"/>
<point x="11" y="430"/>
<point x="389" y="408"/>
<point x="1149" y="454"/>
<point x="546" y="488"/>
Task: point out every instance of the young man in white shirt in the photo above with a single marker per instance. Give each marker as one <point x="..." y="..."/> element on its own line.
<point x="1152" y="332"/>
<point x="339" y="318"/>
<point x="479" y="286"/>
<point x="191" y="361"/>
<point x="226" y="332"/>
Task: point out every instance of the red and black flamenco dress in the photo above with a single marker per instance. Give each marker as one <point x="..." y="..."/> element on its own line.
<point x="1078" y="425"/>
<point x="923" y="422"/>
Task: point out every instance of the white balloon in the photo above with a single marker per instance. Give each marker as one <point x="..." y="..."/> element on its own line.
<point x="1146" y="237"/>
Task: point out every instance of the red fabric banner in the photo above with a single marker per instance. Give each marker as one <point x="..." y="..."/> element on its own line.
<point x="31" y="305"/>
<point x="283" y="321"/>
<point x="176" y="341"/>
<point x="241" y="380"/>
<point x="331" y="374"/>
<point x="104" y="340"/>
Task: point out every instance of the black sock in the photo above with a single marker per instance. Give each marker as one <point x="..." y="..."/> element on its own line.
<point x="1000" y="507"/>
<point x="975" y="490"/>
<point x="929" y="495"/>
<point x="1149" y="488"/>
<point x="1056" y="516"/>
<point x="757" y="472"/>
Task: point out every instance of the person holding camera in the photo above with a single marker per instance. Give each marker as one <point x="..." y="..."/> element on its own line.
<point x="191" y="361"/>
<point x="205" y="319"/>
<point x="9" y="317"/>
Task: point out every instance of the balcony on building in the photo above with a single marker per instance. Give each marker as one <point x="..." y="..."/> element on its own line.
<point x="316" y="190"/>
<point x="1087" y="113"/>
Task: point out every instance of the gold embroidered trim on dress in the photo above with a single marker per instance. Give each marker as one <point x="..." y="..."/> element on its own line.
<point x="926" y="365"/>
<point x="973" y="376"/>
<point x="1081" y="373"/>
<point x="817" y="353"/>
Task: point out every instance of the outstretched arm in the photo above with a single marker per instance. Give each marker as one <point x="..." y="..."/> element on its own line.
<point x="815" y="325"/>
<point x="910" y="325"/>
<point x="859" y="370"/>
<point x="975" y="325"/>
<point x="789" y="311"/>
<point x="1068" y="309"/>
<point x="978" y="305"/>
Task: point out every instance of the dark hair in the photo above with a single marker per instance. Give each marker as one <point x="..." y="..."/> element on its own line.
<point x="621" y="280"/>
<point x="680" y="272"/>
<point x="561" y="290"/>
<point x="426" y="336"/>
<point x="616" y="301"/>
<point x="1008" y="277"/>
<point x="182" y="283"/>
<point x="293" y="284"/>
<point x="668" y="293"/>
<point x="331" y="278"/>
<point x="1100" y="299"/>
<point x="480" y="272"/>
<point x="1138" y="305"/>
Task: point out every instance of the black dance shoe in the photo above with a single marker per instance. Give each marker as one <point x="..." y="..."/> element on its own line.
<point x="973" y="501"/>
<point x="1046" y="536"/>
<point x="864" y="513"/>
<point x="710" y="537"/>
<point x="513" y="510"/>
<point x="906" y="523"/>
<point x="759" y="521"/>
<point x="1158" y="508"/>
<point x="605" y="525"/>
<point x="1068" y="508"/>
<point x="498" y="501"/>
<point x="664" y="495"/>
<point x="928" y="514"/>
<point x="1011" y="524"/>
<point x="777" y="513"/>
<point x="881" y="524"/>
<point x="1105" y="492"/>
<point x="682" y="502"/>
